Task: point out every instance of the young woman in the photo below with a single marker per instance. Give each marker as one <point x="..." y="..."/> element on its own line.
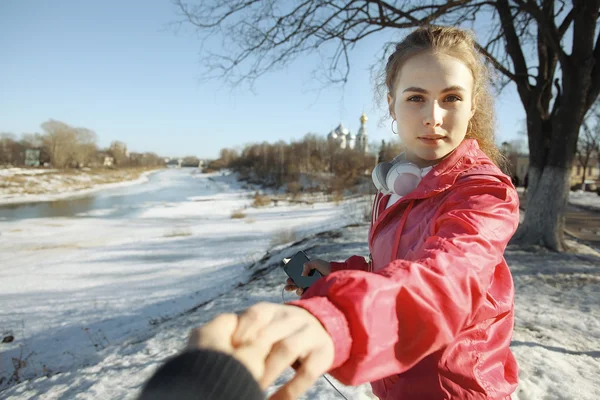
<point x="430" y="316"/>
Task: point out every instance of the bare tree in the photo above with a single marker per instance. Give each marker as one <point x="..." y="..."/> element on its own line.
<point x="387" y="151"/>
<point x="518" y="146"/>
<point x="277" y="164"/>
<point x="588" y="145"/>
<point x="190" y="161"/>
<point x="549" y="49"/>
<point x="11" y="151"/>
<point x="67" y="146"/>
<point x="60" y="141"/>
<point x="118" y="150"/>
<point x="32" y="140"/>
<point x="228" y="156"/>
<point x="86" y="149"/>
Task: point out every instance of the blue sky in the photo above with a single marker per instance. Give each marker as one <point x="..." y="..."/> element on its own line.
<point x="117" y="68"/>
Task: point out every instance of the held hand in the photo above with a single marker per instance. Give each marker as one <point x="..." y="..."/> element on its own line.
<point x="324" y="267"/>
<point x="217" y="335"/>
<point x="293" y="334"/>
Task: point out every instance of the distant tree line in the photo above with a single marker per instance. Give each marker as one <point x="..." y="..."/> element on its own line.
<point x="588" y="145"/>
<point x="311" y="162"/>
<point x="64" y="146"/>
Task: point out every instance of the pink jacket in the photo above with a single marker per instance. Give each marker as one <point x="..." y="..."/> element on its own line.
<point x="432" y="316"/>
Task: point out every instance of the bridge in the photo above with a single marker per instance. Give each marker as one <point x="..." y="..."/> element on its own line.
<point x="181" y="162"/>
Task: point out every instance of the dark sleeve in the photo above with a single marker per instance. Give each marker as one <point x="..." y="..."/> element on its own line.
<point x="202" y="375"/>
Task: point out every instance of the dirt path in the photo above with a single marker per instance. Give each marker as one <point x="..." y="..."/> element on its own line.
<point x="584" y="225"/>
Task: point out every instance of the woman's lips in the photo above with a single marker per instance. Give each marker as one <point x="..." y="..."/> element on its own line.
<point x="431" y="139"/>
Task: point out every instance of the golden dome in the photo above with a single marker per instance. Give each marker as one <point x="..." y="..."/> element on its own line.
<point x="363" y="118"/>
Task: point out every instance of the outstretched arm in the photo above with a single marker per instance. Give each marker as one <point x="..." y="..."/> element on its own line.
<point x="384" y="323"/>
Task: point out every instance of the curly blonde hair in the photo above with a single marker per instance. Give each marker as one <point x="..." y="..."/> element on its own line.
<point x="459" y="44"/>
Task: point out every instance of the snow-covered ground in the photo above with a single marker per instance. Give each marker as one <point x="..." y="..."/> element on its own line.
<point x="4" y="172"/>
<point x="557" y="325"/>
<point x="587" y="200"/>
<point x="28" y="185"/>
<point x="71" y="288"/>
<point x="95" y="305"/>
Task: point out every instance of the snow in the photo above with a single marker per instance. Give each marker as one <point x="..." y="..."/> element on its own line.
<point x="50" y="185"/>
<point x="578" y="198"/>
<point x="6" y="172"/>
<point x="72" y="288"/>
<point x="96" y="304"/>
<point x="589" y="200"/>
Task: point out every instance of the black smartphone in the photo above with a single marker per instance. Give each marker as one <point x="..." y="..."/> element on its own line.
<point x="294" y="267"/>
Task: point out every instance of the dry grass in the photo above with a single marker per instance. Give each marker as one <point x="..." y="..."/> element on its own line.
<point x="19" y="363"/>
<point x="67" y="180"/>
<point x="338" y="197"/>
<point x="294" y="188"/>
<point x="238" y="214"/>
<point x="261" y="200"/>
<point x="12" y="180"/>
<point x="360" y="211"/>
<point x="367" y="212"/>
<point x="283" y="236"/>
<point x="178" y="232"/>
<point x="55" y="247"/>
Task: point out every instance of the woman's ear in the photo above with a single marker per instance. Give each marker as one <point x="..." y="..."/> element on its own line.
<point x="390" y="101"/>
<point x="473" y="106"/>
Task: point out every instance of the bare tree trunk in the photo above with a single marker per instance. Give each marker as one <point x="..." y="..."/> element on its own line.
<point x="553" y="142"/>
<point x="544" y="215"/>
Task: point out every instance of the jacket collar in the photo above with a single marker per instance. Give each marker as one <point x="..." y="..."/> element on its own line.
<point x="462" y="160"/>
<point x="466" y="159"/>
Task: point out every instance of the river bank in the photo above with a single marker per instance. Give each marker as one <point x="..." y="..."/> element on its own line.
<point x="29" y="185"/>
<point x="557" y="325"/>
<point x="75" y="286"/>
<point x="102" y="298"/>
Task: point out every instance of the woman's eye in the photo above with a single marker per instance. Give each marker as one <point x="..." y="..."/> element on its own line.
<point x="415" y="98"/>
<point x="452" y="98"/>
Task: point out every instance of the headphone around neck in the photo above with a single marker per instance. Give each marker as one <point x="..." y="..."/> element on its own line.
<point x="398" y="176"/>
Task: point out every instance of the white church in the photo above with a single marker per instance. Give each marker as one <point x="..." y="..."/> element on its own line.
<point x="346" y="139"/>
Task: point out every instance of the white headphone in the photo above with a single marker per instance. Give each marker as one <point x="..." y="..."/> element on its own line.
<point x="399" y="177"/>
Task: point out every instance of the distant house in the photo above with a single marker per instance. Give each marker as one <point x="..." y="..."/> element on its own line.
<point x="108" y="161"/>
<point x="592" y="173"/>
<point x="32" y="157"/>
<point x="519" y="167"/>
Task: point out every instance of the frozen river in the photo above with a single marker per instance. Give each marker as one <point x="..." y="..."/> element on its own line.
<point x="82" y="275"/>
<point x="168" y="186"/>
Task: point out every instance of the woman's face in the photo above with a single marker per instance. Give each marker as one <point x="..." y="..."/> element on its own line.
<point x="432" y="104"/>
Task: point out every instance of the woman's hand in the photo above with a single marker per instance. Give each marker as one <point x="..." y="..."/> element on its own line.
<point x="324" y="267"/>
<point x="217" y="335"/>
<point x="293" y="335"/>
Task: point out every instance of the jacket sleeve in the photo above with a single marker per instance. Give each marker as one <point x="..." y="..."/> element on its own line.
<point x="202" y="374"/>
<point x="357" y="263"/>
<point x="383" y="323"/>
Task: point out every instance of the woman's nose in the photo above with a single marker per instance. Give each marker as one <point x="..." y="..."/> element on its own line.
<point x="434" y="115"/>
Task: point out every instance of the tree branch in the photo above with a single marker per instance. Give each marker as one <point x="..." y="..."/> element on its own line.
<point x="562" y="29"/>
<point x="545" y="20"/>
<point x="496" y="63"/>
<point x="513" y="48"/>
<point x="268" y="35"/>
<point x="595" y="84"/>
